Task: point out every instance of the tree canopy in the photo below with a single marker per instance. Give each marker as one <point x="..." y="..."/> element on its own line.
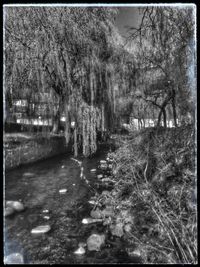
<point x="75" y="53"/>
<point x="77" y="56"/>
<point x="165" y="54"/>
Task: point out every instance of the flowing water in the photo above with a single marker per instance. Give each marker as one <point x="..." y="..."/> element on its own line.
<point x="37" y="186"/>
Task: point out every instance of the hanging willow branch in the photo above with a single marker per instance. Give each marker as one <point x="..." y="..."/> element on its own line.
<point x="75" y="55"/>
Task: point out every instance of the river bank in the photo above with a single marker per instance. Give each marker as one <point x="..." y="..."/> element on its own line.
<point x="25" y="148"/>
<point x="154" y="195"/>
<point x="139" y="200"/>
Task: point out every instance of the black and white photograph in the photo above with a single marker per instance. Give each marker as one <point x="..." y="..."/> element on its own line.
<point x="99" y="134"/>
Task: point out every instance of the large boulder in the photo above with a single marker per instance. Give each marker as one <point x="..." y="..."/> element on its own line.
<point x="16" y="205"/>
<point x="95" y="241"/>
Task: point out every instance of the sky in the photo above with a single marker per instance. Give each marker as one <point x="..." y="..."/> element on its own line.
<point x="128" y="16"/>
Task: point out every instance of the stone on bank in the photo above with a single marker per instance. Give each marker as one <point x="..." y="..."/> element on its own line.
<point x="95" y="241"/>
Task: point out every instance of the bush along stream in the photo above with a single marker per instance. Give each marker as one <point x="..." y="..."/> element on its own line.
<point x="153" y="203"/>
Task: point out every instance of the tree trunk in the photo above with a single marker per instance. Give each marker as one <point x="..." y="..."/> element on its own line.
<point x="174" y="111"/>
<point x="143" y="120"/>
<point x="139" y="124"/>
<point x="67" y="122"/>
<point x="127" y="119"/>
<point x="162" y="112"/>
<point x="75" y="142"/>
<point x="164" y="117"/>
<point x="159" y="118"/>
<point x="56" y="122"/>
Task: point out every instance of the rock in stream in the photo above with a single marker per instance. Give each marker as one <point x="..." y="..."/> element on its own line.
<point x="41" y="229"/>
<point x="15" y="205"/>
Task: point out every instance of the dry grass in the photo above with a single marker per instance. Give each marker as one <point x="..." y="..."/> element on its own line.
<point x="154" y="175"/>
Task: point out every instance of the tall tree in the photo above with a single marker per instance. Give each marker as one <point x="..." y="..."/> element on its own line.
<point x="165" y="40"/>
<point x="72" y="52"/>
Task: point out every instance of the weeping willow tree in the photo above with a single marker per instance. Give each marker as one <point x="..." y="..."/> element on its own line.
<point x="72" y="53"/>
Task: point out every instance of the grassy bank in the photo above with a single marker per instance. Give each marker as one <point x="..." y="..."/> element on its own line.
<point x="154" y="195"/>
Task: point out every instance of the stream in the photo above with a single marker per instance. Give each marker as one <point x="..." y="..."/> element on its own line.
<point x="37" y="187"/>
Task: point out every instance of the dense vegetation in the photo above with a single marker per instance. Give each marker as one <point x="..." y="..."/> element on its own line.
<point x="153" y="201"/>
<point x="164" y="48"/>
<point x="76" y="55"/>
<point x="73" y="53"/>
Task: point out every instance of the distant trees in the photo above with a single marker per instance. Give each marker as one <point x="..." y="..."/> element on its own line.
<point x="165" y="41"/>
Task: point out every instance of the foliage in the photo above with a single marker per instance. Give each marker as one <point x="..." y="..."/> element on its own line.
<point x="74" y="54"/>
<point x="165" y="45"/>
<point x="155" y="186"/>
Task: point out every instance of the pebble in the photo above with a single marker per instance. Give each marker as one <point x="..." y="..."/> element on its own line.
<point x="92" y="202"/>
<point x="16" y="205"/>
<point x="100" y="176"/>
<point x="85" y="221"/>
<point x="41" y="229"/>
<point x="103" y="162"/>
<point x="80" y="251"/>
<point x="74" y="184"/>
<point x="45" y="211"/>
<point x="90" y="220"/>
<point x="14" y="258"/>
<point x="93" y="170"/>
<point x="103" y="166"/>
<point x="63" y="166"/>
<point x="62" y="191"/>
<point x="135" y="253"/>
<point x="46" y="217"/>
